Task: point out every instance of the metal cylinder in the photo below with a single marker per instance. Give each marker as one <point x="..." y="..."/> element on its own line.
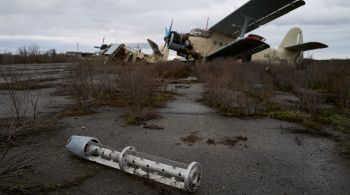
<point x="145" y="165"/>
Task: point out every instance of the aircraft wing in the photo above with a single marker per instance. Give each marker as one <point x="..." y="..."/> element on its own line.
<point x="112" y="49"/>
<point x="240" y="49"/>
<point x="307" y="47"/>
<point x="259" y="13"/>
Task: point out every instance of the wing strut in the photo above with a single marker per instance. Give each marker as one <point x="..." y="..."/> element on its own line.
<point x="245" y="26"/>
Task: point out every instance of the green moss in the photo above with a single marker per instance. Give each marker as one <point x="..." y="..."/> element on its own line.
<point x="297" y="117"/>
<point x="311" y="124"/>
<point x="291" y="116"/>
<point x="338" y="120"/>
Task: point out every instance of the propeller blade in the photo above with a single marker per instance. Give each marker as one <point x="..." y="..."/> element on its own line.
<point x="168" y="33"/>
<point x="171" y="25"/>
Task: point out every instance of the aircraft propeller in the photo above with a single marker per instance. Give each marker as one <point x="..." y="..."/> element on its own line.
<point x="168" y="33"/>
<point x="103" y="45"/>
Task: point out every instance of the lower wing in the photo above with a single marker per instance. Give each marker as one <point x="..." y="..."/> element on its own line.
<point x="240" y="49"/>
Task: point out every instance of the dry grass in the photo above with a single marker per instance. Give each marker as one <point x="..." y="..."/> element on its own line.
<point x="173" y="70"/>
<point x="235" y="88"/>
<point x="32" y="54"/>
<point x="21" y="105"/>
<point x="321" y="82"/>
<point x="13" y="168"/>
<point x="245" y="89"/>
<point x="135" y="87"/>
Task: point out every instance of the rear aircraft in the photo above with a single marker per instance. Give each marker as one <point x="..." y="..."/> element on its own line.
<point x="121" y="52"/>
<point x="290" y="50"/>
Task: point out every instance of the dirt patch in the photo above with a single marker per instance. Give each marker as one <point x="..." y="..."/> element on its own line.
<point x="241" y="138"/>
<point x="192" y="139"/>
<point x="230" y="142"/>
<point x="153" y="127"/>
<point x="211" y="142"/>
<point x="227" y="141"/>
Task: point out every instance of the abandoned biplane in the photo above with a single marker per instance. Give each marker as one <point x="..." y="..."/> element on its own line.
<point x="227" y="38"/>
<point x="290" y="50"/>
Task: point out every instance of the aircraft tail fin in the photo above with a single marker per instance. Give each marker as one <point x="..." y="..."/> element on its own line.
<point x="163" y="51"/>
<point x="293" y="37"/>
<point x="294" y="42"/>
<point x="154" y="47"/>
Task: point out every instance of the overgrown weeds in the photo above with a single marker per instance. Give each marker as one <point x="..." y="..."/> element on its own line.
<point x="235" y="88"/>
<point x="136" y="87"/>
<point x="32" y="54"/>
<point x="174" y="70"/>
<point x="21" y="105"/>
<point x="246" y="89"/>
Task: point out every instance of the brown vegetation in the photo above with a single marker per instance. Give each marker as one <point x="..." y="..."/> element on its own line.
<point x="21" y="104"/>
<point x="33" y="55"/>
<point x="173" y="70"/>
<point x="246" y="89"/>
<point x="235" y="88"/>
<point x="139" y="88"/>
<point x="13" y="167"/>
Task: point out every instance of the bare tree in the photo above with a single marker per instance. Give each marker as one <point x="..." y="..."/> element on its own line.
<point x="23" y="53"/>
<point x="34" y="53"/>
<point x="18" y="102"/>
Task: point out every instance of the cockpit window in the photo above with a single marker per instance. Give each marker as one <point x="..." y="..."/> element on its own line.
<point x="200" y="33"/>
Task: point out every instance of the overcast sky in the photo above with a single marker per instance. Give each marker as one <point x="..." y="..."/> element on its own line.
<point x="61" y="24"/>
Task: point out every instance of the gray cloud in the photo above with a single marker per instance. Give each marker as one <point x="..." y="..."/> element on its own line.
<point x="62" y="23"/>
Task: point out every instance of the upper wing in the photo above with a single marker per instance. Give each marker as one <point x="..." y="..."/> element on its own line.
<point x="240" y="49"/>
<point x="259" y="12"/>
<point x="112" y="49"/>
<point x="307" y="46"/>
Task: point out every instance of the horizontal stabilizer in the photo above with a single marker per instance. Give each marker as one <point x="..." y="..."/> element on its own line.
<point x="240" y="49"/>
<point x="306" y="47"/>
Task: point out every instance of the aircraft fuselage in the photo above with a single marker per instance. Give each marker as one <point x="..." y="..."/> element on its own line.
<point x="278" y="56"/>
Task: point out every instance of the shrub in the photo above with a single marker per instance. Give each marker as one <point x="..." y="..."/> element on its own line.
<point x="237" y="88"/>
